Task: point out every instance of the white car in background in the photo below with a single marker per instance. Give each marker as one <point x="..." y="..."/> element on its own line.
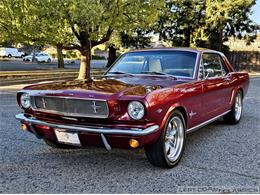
<point x="39" y="57"/>
<point x="10" y="52"/>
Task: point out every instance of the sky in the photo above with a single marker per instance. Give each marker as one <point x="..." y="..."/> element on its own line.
<point x="256" y="12"/>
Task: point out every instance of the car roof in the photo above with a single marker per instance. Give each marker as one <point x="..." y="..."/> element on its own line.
<point x="190" y="49"/>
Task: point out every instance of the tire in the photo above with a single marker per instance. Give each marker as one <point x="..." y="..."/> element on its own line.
<point x="9" y="55"/>
<point x="49" y="60"/>
<point x="159" y="153"/>
<point x="234" y="116"/>
<point x="58" y="145"/>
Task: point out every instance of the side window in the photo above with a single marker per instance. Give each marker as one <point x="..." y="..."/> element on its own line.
<point x="213" y="65"/>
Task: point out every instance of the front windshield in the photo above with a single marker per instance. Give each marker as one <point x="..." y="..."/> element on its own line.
<point x="176" y="63"/>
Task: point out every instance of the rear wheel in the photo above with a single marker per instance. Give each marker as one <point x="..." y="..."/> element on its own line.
<point x="49" y="60"/>
<point x="9" y="55"/>
<point x="234" y="116"/>
<point x="168" y="150"/>
<point x="55" y="144"/>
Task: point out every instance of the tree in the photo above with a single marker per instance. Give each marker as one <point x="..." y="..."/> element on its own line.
<point x="92" y="22"/>
<point x="179" y="20"/>
<point x="75" y="24"/>
<point x="206" y="23"/>
<point x="136" y="38"/>
<point x="27" y="22"/>
<point x="228" y="18"/>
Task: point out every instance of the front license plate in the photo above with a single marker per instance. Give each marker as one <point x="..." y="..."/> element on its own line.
<point x="67" y="137"/>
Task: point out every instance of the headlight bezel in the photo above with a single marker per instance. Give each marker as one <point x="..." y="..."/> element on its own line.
<point x="136" y="106"/>
<point x="25" y="97"/>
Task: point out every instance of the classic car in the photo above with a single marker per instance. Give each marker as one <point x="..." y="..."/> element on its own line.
<point x="148" y="99"/>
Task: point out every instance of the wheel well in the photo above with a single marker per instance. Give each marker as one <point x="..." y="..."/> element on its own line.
<point x="183" y="112"/>
<point x="242" y="92"/>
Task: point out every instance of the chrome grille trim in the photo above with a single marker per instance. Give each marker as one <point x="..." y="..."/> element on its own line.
<point x="67" y="110"/>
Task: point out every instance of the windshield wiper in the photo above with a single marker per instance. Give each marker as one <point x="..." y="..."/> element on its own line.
<point x="158" y="73"/>
<point x="118" y="72"/>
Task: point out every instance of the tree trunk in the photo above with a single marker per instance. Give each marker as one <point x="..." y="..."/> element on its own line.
<point x="111" y="55"/>
<point x="84" y="70"/>
<point x="33" y="54"/>
<point x="60" y="56"/>
<point x="220" y="33"/>
<point x="187" y="39"/>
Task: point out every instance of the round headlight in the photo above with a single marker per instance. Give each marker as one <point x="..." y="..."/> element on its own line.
<point x="25" y="100"/>
<point x="135" y="110"/>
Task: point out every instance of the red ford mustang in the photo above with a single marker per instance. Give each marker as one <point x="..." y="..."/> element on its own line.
<point x="149" y="98"/>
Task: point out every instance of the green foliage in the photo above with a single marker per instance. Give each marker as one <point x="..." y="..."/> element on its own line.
<point x="95" y="57"/>
<point x="71" y="54"/>
<point x="180" y="20"/>
<point x="206" y="23"/>
<point x="228" y="18"/>
<point x="74" y="24"/>
<point x="138" y="39"/>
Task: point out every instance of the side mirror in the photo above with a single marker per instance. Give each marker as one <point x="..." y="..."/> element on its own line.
<point x="209" y="72"/>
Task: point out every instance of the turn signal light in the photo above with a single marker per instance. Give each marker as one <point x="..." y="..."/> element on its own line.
<point x="133" y="143"/>
<point x="24" y="127"/>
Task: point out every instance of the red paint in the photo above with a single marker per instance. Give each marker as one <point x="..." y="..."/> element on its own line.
<point x="204" y="99"/>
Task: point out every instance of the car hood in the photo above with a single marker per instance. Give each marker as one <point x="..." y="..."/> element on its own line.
<point x="121" y="85"/>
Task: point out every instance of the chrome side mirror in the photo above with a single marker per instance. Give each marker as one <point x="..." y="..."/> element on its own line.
<point x="209" y="72"/>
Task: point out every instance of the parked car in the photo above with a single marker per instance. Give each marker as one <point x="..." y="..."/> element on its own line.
<point x="39" y="57"/>
<point x="148" y="98"/>
<point x="10" y="52"/>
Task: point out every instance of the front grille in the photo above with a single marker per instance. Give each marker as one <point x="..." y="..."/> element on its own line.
<point x="71" y="107"/>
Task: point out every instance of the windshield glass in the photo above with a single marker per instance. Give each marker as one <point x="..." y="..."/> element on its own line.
<point x="176" y="63"/>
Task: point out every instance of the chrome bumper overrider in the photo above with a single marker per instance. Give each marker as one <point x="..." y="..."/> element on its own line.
<point x="100" y="130"/>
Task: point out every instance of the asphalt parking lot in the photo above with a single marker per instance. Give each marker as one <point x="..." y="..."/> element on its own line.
<point x="219" y="157"/>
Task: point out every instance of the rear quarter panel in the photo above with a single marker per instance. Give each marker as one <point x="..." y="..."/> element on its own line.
<point x="241" y="81"/>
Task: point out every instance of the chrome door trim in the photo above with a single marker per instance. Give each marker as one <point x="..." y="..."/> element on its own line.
<point x="206" y="122"/>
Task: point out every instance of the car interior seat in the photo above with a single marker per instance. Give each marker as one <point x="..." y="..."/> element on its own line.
<point x="155" y="65"/>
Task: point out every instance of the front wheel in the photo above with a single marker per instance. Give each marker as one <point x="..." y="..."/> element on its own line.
<point x="234" y="116"/>
<point x="168" y="150"/>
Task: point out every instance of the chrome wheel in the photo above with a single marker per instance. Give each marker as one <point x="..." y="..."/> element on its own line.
<point x="238" y="106"/>
<point x="174" y="139"/>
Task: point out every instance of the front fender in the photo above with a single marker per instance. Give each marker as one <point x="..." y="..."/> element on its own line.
<point x="170" y="110"/>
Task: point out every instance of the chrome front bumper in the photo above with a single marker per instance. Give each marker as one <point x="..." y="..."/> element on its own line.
<point x="100" y="130"/>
